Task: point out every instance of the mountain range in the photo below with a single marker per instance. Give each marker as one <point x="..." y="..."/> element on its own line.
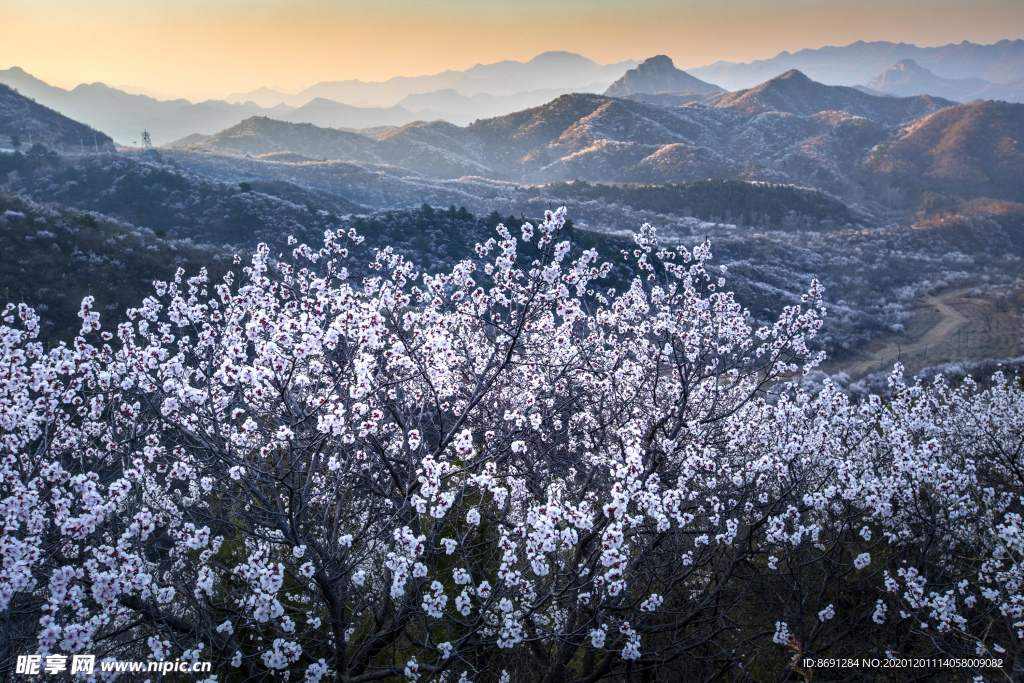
<point x="563" y="71"/>
<point x="886" y="199"/>
<point x="789" y="129"/>
<point x="124" y="116"/>
<point x="858" y="63"/>
<point x="960" y="72"/>
<point x="458" y="96"/>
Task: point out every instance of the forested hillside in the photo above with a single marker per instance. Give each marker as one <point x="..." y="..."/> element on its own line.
<point x="146" y="191"/>
<point x="52" y="257"/>
<point x="973" y="150"/>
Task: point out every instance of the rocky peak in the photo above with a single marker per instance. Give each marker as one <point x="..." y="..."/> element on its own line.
<point x="655" y="75"/>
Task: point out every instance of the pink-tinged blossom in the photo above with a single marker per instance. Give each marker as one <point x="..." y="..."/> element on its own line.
<point x="310" y="439"/>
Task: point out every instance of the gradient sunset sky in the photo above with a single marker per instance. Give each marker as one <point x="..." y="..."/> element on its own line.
<point x="209" y="48"/>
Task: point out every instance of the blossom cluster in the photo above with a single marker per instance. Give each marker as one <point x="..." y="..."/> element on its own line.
<point x="298" y="468"/>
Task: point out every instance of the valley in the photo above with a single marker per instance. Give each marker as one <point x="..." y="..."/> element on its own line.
<point x="952" y="327"/>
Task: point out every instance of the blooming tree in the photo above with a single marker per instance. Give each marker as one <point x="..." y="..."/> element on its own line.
<point x="508" y="471"/>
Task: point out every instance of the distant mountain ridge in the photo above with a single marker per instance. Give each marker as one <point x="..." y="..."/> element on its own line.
<point x="124" y="116"/>
<point x="907" y="78"/>
<point x="795" y="93"/>
<point x="658" y="75"/>
<point x="861" y="61"/>
<point x="489" y="90"/>
<point x="484" y="90"/>
<point x="733" y="167"/>
<point x="789" y="129"/>
<point x="31" y="122"/>
<point x="564" y="71"/>
<point x="330" y="114"/>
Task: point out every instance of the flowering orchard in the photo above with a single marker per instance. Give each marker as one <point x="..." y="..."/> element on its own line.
<point x="505" y="472"/>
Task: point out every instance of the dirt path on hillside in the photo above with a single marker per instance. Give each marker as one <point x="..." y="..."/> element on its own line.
<point x="950" y="321"/>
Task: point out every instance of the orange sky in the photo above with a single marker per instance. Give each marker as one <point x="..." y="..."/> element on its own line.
<point x="209" y="48"/>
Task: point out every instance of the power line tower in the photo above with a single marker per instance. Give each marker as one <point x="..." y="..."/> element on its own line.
<point x="147" y="143"/>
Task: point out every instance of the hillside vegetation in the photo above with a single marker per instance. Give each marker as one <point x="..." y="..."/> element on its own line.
<point x="972" y="150"/>
<point x="51" y="257"/>
<point x="149" y="192"/>
<point x="722" y="201"/>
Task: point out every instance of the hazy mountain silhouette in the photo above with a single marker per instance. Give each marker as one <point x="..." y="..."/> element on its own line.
<point x="30" y="86"/>
<point x="33" y="123"/>
<point x="907" y="78"/>
<point x="658" y="75"/>
<point x="326" y="113"/>
<point x="124" y="116"/>
<point x="504" y="87"/>
<point x="489" y="90"/>
<point x="460" y="109"/>
<point x="1008" y="91"/>
<point x="861" y="61"/>
<point x="263" y="96"/>
<point x="562" y="71"/>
